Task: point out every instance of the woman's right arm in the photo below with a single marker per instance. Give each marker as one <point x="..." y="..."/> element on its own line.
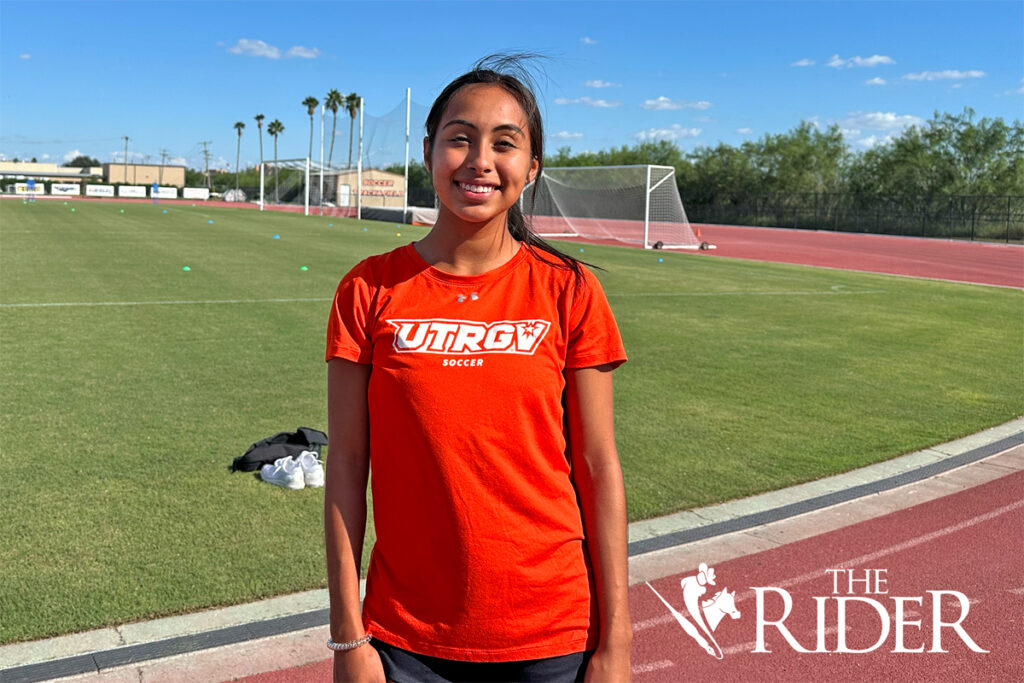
<point x="348" y="469"/>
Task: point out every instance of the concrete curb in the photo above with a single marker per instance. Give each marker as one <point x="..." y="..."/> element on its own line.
<point x="655" y="548"/>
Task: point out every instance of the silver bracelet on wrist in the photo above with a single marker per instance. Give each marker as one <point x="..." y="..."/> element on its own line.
<point x="350" y="645"/>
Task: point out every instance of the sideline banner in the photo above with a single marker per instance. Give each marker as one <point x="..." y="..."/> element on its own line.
<point x="66" y="189"/>
<point x="131" y="191"/>
<point x="196" y="193"/>
<point x="99" y="190"/>
<point x="165" y="193"/>
<point x="35" y="190"/>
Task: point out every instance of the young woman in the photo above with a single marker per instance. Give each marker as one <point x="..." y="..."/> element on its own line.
<point x="472" y="371"/>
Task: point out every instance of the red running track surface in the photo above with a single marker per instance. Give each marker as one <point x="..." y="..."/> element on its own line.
<point x="976" y="262"/>
<point x="970" y="542"/>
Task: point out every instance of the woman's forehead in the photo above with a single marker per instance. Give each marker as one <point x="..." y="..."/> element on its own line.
<point x="487" y="103"/>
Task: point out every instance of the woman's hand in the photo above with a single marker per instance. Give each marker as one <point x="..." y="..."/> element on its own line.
<point x="361" y="665"/>
<point x="608" y="665"/>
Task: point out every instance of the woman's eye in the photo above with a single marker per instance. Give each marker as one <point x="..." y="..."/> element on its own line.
<point x="508" y="144"/>
<point x="460" y="138"/>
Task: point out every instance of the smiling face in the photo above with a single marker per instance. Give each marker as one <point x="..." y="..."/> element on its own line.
<point x="480" y="157"/>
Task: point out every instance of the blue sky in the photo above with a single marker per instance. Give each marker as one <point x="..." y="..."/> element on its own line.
<point x="75" y="77"/>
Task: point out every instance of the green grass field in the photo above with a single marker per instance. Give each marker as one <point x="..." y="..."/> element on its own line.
<point x="120" y="415"/>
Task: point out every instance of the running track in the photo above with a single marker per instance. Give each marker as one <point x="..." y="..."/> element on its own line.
<point x="970" y="542"/>
<point x="978" y="262"/>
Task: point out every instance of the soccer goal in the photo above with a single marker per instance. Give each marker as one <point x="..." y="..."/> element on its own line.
<point x="635" y="204"/>
<point x="289" y="182"/>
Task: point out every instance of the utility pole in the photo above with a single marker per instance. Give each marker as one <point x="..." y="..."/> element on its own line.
<point x="125" y="159"/>
<point x="163" y="160"/>
<point x="206" y="158"/>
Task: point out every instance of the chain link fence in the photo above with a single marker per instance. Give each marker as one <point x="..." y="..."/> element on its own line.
<point x="986" y="218"/>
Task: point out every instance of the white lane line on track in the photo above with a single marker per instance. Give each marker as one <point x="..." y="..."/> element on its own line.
<point x="183" y="302"/>
<point x="862" y="559"/>
<point x="611" y="295"/>
<point x="652" y="666"/>
<point x="898" y="547"/>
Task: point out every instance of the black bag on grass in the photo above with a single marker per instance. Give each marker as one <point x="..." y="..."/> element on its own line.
<point x="280" y="445"/>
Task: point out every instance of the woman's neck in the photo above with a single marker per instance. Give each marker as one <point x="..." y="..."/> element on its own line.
<point x="460" y="248"/>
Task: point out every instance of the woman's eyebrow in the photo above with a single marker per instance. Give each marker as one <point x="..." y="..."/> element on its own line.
<point x="505" y="126"/>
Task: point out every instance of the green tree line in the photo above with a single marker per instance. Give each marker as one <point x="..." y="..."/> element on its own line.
<point x="947" y="155"/>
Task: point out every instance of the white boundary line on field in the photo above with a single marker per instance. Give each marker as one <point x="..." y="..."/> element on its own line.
<point x="612" y="295"/>
<point x="188" y="302"/>
<point x="183" y="302"/>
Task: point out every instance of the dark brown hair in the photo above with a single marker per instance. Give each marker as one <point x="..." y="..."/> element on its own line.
<point x="507" y="71"/>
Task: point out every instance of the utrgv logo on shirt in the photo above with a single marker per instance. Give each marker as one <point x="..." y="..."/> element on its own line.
<point x="467" y="337"/>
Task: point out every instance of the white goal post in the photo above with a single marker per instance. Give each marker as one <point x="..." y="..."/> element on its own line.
<point x="635" y="204"/>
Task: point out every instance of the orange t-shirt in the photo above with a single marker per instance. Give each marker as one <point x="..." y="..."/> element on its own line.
<point x="480" y="550"/>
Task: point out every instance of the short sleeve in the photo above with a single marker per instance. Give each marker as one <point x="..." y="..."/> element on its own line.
<point x="349" y="327"/>
<point x="593" y="334"/>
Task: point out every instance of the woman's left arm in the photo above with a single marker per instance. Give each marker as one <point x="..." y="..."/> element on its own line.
<point x="598" y="478"/>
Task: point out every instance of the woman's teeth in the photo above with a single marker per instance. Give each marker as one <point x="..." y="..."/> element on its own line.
<point x="480" y="189"/>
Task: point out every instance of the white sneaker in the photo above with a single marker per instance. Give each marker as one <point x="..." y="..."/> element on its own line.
<point x="284" y="472"/>
<point x="312" y="469"/>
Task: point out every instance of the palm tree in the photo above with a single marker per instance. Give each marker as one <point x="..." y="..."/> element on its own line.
<point x="259" y="124"/>
<point x="275" y="128"/>
<point x="352" y="105"/>
<point x="311" y="103"/>
<point x="238" y="150"/>
<point x="335" y="100"/>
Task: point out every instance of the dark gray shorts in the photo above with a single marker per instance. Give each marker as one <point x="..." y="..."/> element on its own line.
<point x="402" y="666"/>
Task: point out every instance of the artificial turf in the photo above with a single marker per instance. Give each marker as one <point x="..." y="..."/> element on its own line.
<point x="121" y="414"/>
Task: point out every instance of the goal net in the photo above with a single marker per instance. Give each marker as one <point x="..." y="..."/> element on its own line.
<point x="284" y="182"/>
<point x="294" y="184"/>
<point x="635" y="204"/>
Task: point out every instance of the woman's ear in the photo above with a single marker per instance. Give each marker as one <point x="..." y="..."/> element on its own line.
<point x="426" y="152"/>
<point x="534" y="166"/>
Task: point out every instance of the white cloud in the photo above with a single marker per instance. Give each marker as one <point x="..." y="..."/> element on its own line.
<point x="45" y="157"/>
<point x="948" y="74"/>
<point x="74" y="153"/>
<point x="587" y="40"/>
<point x="744" y="131"/>
<point x="177" y="161"/>
<point x="254" y="48"/>
<point x="663" y="102"/>
<point x="803" y="62"/>
<point x="589" y="101"/>
<point x="566" y="135"/>
<point x="849" y="132"/>
<point x="876" y="81"/>
<point x="673" y="132"/>
<point x="303" y="52"/>
<point x="878" y="120"/>
<point x="837" y="62"/>
<point x="25" y="56"/>
<point x="259" y="48"/>
<point x="704" y="119"/>
<point x="602" y="84"/>
<point x="874" y="141"/>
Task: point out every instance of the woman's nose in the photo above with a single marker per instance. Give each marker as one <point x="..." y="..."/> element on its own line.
<point x="480" y="159"/>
